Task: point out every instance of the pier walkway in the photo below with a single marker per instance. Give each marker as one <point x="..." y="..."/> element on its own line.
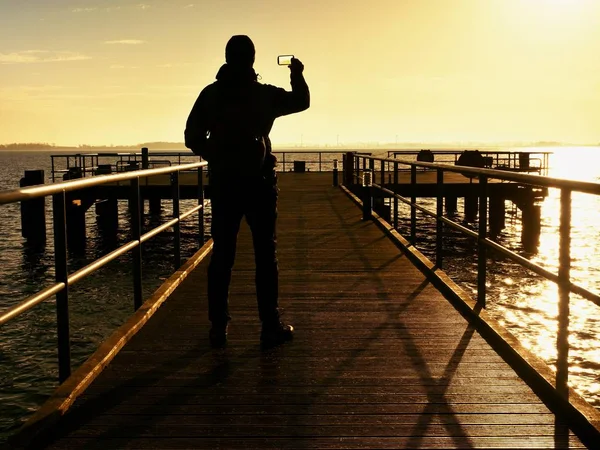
<point x="380" y="358"/>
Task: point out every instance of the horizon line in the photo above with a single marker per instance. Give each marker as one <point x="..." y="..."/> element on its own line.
<point x="31" y="145"/>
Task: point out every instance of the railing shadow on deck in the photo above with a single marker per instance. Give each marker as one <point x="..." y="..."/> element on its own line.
<point x="418" y="361"/>
<point x="360" y="177"/>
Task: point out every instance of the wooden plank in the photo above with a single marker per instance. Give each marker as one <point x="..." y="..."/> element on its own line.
<point x="296" y="442"/>
<point x="516" y="410"/>
<point x="165" y="426"/>
<point x="380" y="359"/>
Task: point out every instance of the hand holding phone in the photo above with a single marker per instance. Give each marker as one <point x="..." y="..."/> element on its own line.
<point x="284" y="60"/>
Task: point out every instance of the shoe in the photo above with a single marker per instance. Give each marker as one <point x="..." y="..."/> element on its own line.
<point x="218" y="336"/>
<point x="278" y="333"/>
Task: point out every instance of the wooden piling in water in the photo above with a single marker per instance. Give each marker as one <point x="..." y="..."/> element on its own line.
<point x="451" y="205"/>
<point x="497" y="214"/>
<point x="530" y="232"/>
<point x="33" y="212"/>
<point x="155" y="205"/>
<point x="107" y="209"/>
<point x="471" y="208"/>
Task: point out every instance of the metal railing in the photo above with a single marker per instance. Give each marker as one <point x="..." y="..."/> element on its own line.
<point x="63" y="278"/>
<point x="322" y="160"/>
<point x="520" y="161"/>
<point x="90" y="164"/>
<point x="362" y="171"/>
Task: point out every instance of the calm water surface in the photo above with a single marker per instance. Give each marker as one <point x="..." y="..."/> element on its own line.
<point x="521" y="301"/>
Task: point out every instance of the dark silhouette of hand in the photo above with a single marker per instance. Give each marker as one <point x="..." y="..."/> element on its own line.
<point x="296" y="66"/>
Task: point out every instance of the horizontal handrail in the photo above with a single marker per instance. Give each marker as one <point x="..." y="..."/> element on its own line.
<point x="30" y="302"/>
<point x="100" y="262"/>
<point x="150" y="234"/>
<point x="28" y="193"/>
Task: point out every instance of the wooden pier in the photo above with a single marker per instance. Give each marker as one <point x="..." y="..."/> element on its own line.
<point x="380" y="359"/>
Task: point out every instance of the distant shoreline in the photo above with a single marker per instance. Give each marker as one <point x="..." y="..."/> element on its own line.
<point x="180" y="147"/>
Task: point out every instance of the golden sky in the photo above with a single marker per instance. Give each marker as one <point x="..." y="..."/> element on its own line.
<point x="125" y="72"/>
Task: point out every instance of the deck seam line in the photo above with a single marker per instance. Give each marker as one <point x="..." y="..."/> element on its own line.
<point x="65" y="395"/>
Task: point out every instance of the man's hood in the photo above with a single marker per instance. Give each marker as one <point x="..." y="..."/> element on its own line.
<point x="236" y="75"/>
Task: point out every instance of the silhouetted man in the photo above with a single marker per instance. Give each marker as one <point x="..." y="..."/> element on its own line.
<point x="229" y="126"/>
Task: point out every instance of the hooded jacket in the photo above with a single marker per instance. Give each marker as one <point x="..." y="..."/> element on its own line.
<point x="230" y="122"/>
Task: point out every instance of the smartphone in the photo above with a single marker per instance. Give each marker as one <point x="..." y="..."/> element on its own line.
<point x="284" y="60"/>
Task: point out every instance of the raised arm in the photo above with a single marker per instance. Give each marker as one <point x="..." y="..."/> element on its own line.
<point x="286" y="102"/>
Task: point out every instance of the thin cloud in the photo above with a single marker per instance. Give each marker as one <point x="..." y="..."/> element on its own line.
<point x="143" y="6"/>
<point x="173" y="65"/>
<point x="84" y="10"/>
<point x="40" y="56"/>
<point x="191" y="5"/>
<point x="126" y="42"/>
<point x="30" y="90"/>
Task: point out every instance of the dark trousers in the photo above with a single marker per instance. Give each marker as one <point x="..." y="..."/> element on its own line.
<point x="257" y="201"/>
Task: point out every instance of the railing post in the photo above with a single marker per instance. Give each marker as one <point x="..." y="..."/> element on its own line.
<point x="320" y="155"/>
<point x="335" y="172"/>
<point x="481" y="247"/>
<point x="372" y="169"/>
<point x="177" y="226"/>
<point x="136" y="232"/>
<point x="564" y="279"/>
<point x="59" y="213"/>
<point x="395" y="194"/>
<point x="439" y="224"/>
<point x="366" y="191"/>
<point x="413" y="201"/>
<point x="201" y="202"/>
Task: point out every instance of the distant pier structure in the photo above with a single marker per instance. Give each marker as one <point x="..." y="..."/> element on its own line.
<point x="424" y="182"/>
<point x="154" y="190"/>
